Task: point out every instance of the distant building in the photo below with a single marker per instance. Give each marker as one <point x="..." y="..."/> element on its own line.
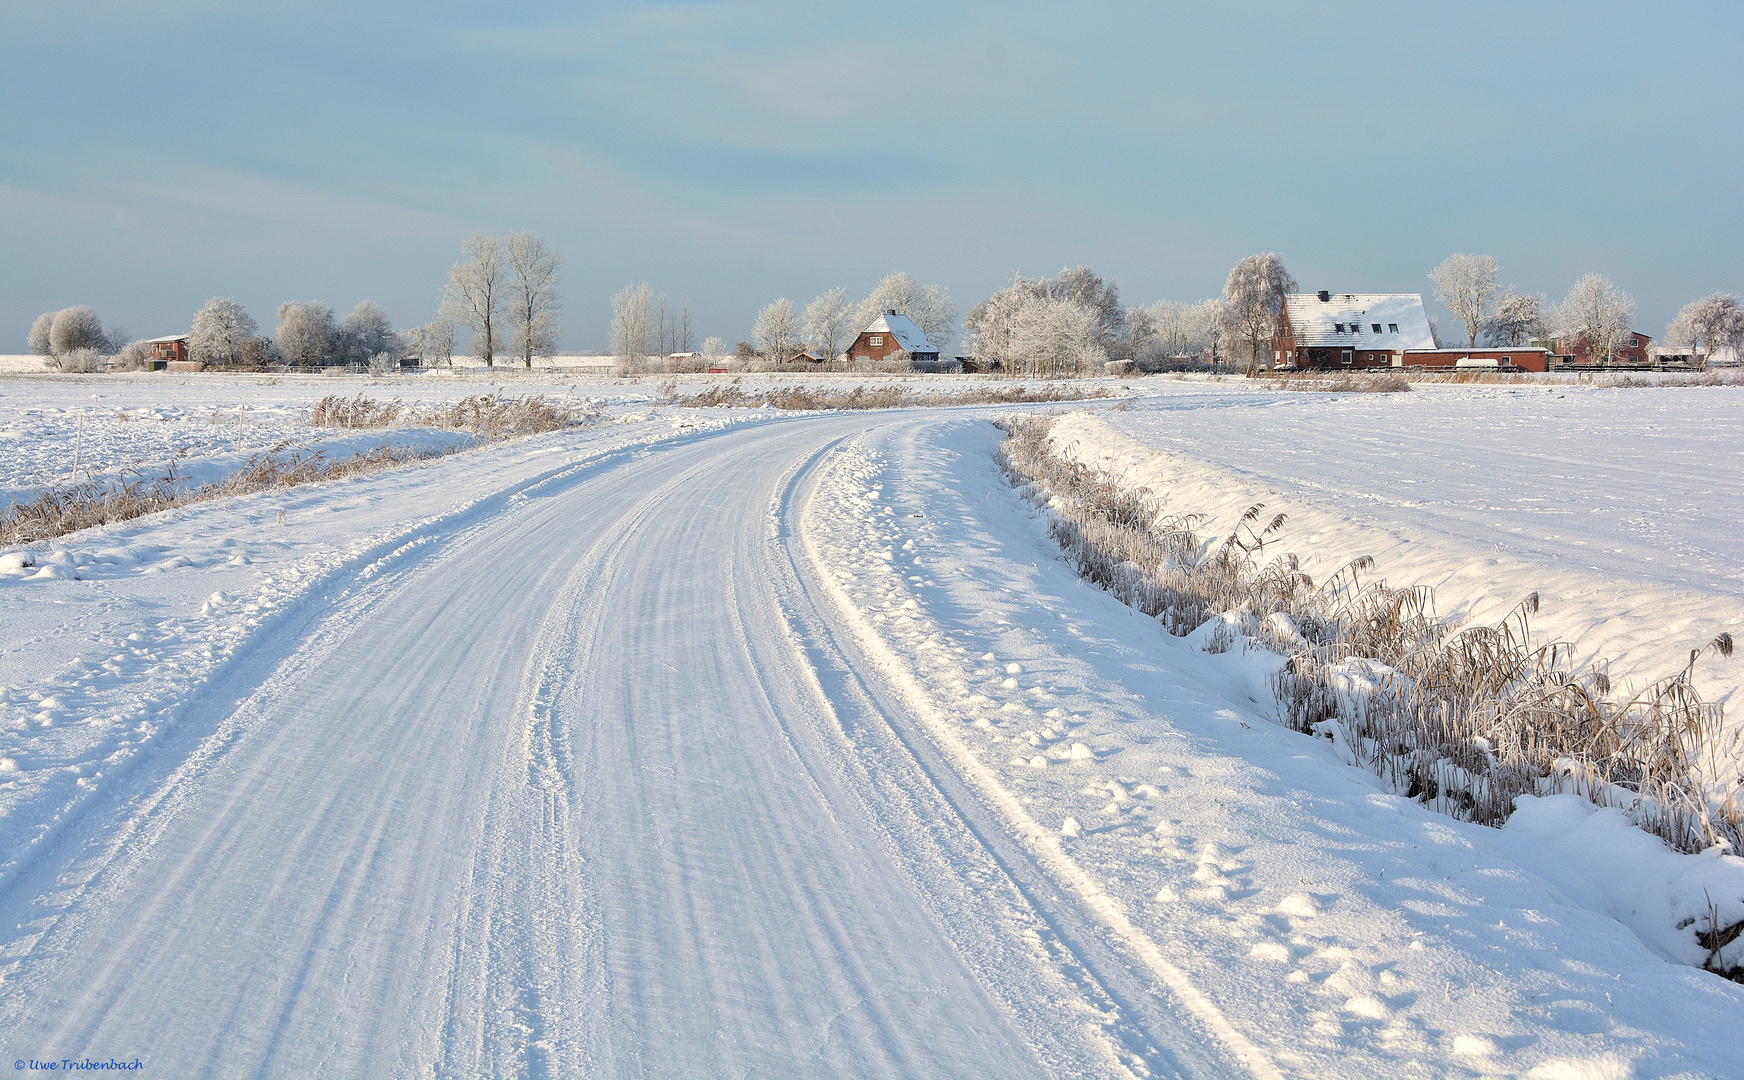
<point x="1695" y="357"/>
<point x="889" y="334"/>
<point x="1632" y="350"/>
<point x="1349" y="330"/>
<point x="166" y="349"/>
<point x="805" y="358"/>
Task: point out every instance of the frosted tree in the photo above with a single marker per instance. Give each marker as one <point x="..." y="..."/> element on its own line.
<point x="684" y="329"/>
<point x="930" y="307"/>
<point x="1254" y="295"/>
<point x="1208" y="325"/>
<point x="1085" y="287"/>
<point x="307" y="334"/>
<point x="1516" y="319"/>
<point x="475" y="295"/>
<point x="39" y="334"/>
<point x="777" y="329"/>
<point x="1597" y="312"/>
<point x="1140" y="338"/>
<point x="829" y="323"/>
<point x="532" y="315"/>
<point x="366" y="334"/>
<point x="1469" y="286"/>
<point x="220" y="331"/>
<point x="1707" y="325"/>
<point x="432" y="341"/>
<point x="1056" y="336"/>
<point x="76" y="328"/>
<point x="632" y="308"/>
<point x="1169" y="322"/>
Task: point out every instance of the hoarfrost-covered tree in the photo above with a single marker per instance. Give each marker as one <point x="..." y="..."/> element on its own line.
<point x="632" y="309"/>
<point x="1468" y="285"/>
<point x="1517" y="319"/>
<point x="366" y="334"/>
<point x="220" y="331"/>
<point x="1207" y="325"/>
<point x="533" y="314"/>
<point x="1707" y="325"/>
<point x="929" y="307"/>
<point x="990" y="323"/>
<point x="39" y="334"/>
<point x="1057" y="336"/>
<point x="433" y="341"/>
<point x="1084" y="287"/>
<point x="1254" y="295"/>
<point x="76" y="328"/>
<point x="1139" y="337"/>
<point x="1597" y="311"/>
<point x="307" y="334"/>
<point x="684" y="329"/>
<point x="777" y="329"/>
<point x="1169" y="319"/>
<point x="829" y="323"/>
<point x="713" y="346"/>
<point x="475" y="294"/>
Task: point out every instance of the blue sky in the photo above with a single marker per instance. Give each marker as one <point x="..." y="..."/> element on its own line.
<point x="157" y="154"/>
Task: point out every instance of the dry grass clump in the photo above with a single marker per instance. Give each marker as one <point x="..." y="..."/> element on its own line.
<point x="60" y="510"/>
<point x="804" y="396"/>
<point x="1463" y="720"/>
<point x="481" y="414"/>
<point x="1450" y="375"/>
<point x="1345" y="382"/>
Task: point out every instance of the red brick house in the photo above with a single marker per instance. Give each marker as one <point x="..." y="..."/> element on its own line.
<point x="1633" y="349"/>
<point x="174" y="347"/>
<point x="1349" y="330"/>
<point x="889" y="334"/>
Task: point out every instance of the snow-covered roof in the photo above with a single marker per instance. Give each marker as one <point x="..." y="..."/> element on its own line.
<point x="166" y="340"/>
<point x="902" y="328"/>
<point x="1316" y="322"/>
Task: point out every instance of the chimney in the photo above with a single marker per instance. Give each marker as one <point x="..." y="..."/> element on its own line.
<point x="1325" y="296"/>
<point x="889" y="311"/>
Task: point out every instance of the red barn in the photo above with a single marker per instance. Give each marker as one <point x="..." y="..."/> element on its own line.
<point x="889" y="334"/>
<point x="1520" y="358"/>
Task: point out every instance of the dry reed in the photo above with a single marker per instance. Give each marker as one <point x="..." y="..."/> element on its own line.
<point x="1462" y="720"/>
<point x="485" y="415"/>
<point x="60" y="510"/>
<point x="807" y="397"/>
<point x="1345" y="382"/>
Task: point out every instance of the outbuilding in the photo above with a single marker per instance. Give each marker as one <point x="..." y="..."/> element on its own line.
<point x="164" y="350"/>
<point x="1508" y="357"/>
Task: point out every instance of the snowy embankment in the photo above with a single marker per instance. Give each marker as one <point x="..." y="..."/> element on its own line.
<point x="1315" y="922"/>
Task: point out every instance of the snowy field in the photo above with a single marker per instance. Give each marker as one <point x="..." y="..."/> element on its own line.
<point x="1622" y="508"/>
<point x="733" y="742"/>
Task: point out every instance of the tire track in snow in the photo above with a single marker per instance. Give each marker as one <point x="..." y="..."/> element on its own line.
<point x="1039" y="843"/>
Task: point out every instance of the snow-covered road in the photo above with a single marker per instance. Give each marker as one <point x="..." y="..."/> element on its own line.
<point x="745" y="752"/>
<point x="591" y="789"/>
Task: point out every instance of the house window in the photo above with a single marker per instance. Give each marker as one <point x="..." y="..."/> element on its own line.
<point x="1377" y="327"/>
<point x="1345" y="357"/>
<point x="875" y="339"/>
<point x="1338" y="328"/>
<point x="1392" y="328"/>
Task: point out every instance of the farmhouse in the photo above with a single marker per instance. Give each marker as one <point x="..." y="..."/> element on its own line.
<point x="889" y="334"/>
<point x="1349" y="330"/>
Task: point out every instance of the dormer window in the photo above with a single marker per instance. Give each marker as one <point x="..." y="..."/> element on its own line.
<point x="1377" y="327"/>
<point x="1392" y="328"/>
<point x="1338" y="328"/>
